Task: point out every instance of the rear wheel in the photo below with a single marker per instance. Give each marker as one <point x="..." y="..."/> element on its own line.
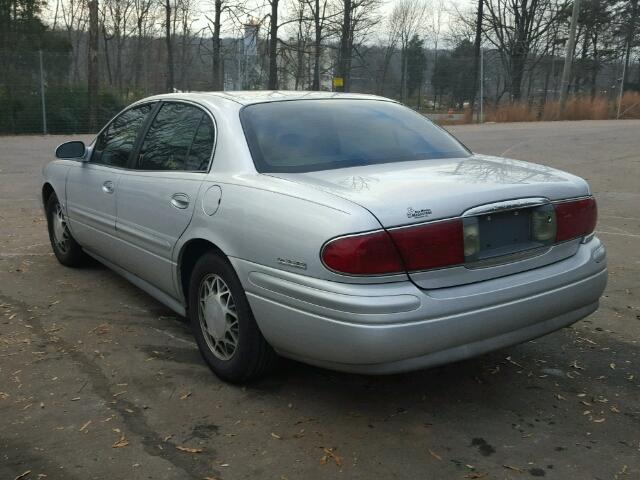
<point x="66" y="249"/>
<point x="222" y="322"/>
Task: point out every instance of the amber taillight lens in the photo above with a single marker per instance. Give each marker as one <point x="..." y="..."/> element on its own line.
<point x="575" y="218"/>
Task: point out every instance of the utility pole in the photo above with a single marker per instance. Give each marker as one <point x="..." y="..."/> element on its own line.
<point x="480" y="114"/>
<point x="42" y="99"/>
<point x="93" y="66"/>
<point x="568" y="58"/>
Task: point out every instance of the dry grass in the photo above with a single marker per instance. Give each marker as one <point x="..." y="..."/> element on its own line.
<point x="577" y="108"/>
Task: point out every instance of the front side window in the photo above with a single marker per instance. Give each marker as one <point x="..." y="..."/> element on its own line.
<point x="181" y="137"/>
<point x="310" y="135"/>
<point x="115" y="143"/>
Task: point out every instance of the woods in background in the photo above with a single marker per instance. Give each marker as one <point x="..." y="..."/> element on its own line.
<point x="100" y="55"/>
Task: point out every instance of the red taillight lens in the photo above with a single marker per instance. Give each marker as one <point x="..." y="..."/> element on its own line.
<point x="431" y="245"/>
<point x="366" y="254"/>
<point x="575" y="219"/>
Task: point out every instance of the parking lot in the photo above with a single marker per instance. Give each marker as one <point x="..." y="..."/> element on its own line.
<point x="98" y="380"/>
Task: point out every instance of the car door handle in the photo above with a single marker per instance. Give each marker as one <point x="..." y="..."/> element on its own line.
<point x="180" y="200"/>
<point x="107" y="187"/>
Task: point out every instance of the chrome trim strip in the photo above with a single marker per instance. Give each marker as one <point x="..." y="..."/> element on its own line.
<point x="506" y="206"/>
<point x="512" y="257"/>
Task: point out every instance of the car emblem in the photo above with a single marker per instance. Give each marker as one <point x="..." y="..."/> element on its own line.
<point x="292" y="263"/>
<point x="424" y="212"/>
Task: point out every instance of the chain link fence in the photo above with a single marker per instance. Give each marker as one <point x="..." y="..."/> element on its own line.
<point x="45" y="92"/>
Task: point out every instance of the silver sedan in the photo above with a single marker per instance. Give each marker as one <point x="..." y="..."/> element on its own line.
<point x="341" y="230"/>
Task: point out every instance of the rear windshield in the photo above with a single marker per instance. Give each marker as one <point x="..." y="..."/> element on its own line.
<point x="311" y="135"/>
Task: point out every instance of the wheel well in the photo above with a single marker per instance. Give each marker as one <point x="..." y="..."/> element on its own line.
<point x="191" y="252"/>
<point x="47" y="190"/>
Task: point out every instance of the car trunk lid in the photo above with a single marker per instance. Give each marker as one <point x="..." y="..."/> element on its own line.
<point x="407" y="193"/>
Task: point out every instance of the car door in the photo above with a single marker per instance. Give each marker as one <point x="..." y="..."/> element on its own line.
<point x="91" y="188"/>
<point x="157" y="196"/>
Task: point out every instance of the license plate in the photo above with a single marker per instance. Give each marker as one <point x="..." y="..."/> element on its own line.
<point x="497" y="234"/>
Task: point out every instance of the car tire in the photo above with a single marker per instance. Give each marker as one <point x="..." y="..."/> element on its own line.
<point x="222" y="322"/>
<point x="68" y="252"/>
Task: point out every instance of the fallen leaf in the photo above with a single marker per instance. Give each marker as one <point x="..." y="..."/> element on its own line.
<point x="275" y="435"/>
<point x="122" y="442"/>
<point x="185" y="396"/>
<point x="189" y="449"/>
<point x="575" y="365"/>
<point x="599" y="420"/>
<point x="515" y="469"/>
<point x="435" y="455"/>
<point x="330" y="454"/>
<point x="85" y="426"/>
<point x="612" y="366"/>
<point x="614" y="409"/>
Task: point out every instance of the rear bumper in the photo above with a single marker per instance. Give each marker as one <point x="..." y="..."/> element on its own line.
<point x="394" y="327"/>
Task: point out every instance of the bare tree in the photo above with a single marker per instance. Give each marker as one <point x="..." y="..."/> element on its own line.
<point x="358" y="17"/>
<point x="74" y="16"/>
<point x="407" y="19"/>
<point x="319" y="13"/>
<point x="169" y="44"/>
<point x="516" y="27"/>
<point x="116" y="18"/>
<point x="435" y="29"/>
<point x="142" y="11"/>
<point x="93" y="65"/>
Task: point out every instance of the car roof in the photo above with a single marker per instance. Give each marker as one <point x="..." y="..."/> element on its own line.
<point x="247" y="97"/>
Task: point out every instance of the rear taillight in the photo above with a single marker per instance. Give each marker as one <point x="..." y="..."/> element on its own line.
<point x="575" y="219"/>
<point x="431" y="245"/>
<point x="446" y="243"/>
<point x="364" y="254"/>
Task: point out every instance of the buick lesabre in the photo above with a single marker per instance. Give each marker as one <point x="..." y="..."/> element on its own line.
<point x="342" y="230"/>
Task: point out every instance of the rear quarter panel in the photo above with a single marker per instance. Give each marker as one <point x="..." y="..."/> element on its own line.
<point x="259" y="222"/>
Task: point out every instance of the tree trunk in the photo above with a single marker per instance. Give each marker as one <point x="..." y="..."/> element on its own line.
<point x="476" y="60"/>
<point x="92" y="73"/>
<point x="273" y="47"/>
<point x="316" y="49"/>
<point x="170" y="81"/>
<point x="517" y="74"/>
<point x="627" y="56"/>
<point x="403" y="74"/>
<point x="344" y="58"/>
<point x="217" y="77"/>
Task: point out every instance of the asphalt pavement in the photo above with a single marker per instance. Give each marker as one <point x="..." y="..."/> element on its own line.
<point x="98" y="380"/>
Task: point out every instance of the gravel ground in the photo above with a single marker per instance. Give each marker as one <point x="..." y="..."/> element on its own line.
<point x="98" y="380"/>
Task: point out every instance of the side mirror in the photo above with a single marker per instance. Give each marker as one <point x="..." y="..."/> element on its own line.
<point x="74" y="149"/>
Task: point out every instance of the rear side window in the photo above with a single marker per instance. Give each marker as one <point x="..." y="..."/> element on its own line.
<point x="115" y="143"/>
<point x="310" y="135"/>
<point x="180" y="137"/>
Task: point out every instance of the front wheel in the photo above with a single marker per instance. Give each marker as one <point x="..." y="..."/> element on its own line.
<point x="222" y="322"/>
<point x="65" y="248"/>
